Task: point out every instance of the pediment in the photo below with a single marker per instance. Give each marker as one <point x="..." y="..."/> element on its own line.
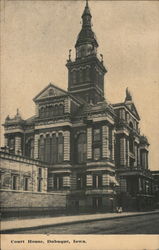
<point x="133" y="109"/>
<point x="49" y="92"/>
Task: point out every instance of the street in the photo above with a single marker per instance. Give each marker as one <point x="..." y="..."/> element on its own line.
<point x="143" y="224"/>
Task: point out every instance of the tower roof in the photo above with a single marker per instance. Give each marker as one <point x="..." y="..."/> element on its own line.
<point x="86" y="10"/>
<point x="86" y="34"/>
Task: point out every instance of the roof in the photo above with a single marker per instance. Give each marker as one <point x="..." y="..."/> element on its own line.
<point x="51" y="90"/>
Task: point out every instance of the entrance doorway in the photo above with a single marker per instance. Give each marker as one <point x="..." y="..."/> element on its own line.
<point x="97" y="202"/>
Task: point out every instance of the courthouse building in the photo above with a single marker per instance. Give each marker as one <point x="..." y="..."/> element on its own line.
<point x="78" y="151"/>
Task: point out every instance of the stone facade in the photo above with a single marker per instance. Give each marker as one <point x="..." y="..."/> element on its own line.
<point x="87" y="149"/>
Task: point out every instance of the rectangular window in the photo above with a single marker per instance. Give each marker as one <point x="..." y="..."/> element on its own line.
<point x="96" y="135"/>
<point x="110" y="141"/>
<point x="14" y="182"/>
<point x="81" y="181"/>
<point x="97" y="181"/>
<point x="40" y="172"/>
<point x="58" y="182"/>
<point x="39" y="185"/>
<point x="97" y="153"/>
<point x="26" y="183"/>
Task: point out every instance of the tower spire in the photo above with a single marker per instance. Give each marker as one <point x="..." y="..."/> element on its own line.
<point x="86" y="35"/>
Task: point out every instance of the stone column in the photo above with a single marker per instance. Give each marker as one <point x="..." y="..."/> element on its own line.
<point x="123" y="151"/>
<point x="147" y="161"/>
<point x="36" y="142"/>
<point x="67" y="146"/>
<point x="45" y="179"/>
<point x="66" y="181"/>
<point x="89" y="180"/>
<point x="5" y="141"/>
<point x="18" y="141"/>
<point x="67" y="105"/>
<point x="138" y="156"/>
<point x="105" y="180"/>
<point x="89" y="143"/>
<point x="113" y="141"/>
<point x="135" y="149"/>
<point x="105" y="141"/>
<point x="128" y="160"/>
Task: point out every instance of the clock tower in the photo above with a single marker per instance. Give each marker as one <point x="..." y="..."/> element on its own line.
<point x="86" y="73"/>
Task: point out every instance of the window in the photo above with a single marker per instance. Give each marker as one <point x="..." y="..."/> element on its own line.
<point x="97" y="181"/>
<point x="42" y="148"/>
<point x="56" y="109"/>
<point x="50" y="111"/>
<point x="97" y="134"/>
<point x="110" y="141"/>
<point x="29" y="150"/>
<point x="47" y="111"/>
<point x="39" y="185"/>
<point x="81" y="148"/>
<point x="39" y="180"/>
<point x="40" y="172"/>
<point x="42" y="112"/>
<point x="11" y="144"/>
<point x="131" y="144"/>
<point x="54" y="149"/>
<point x="81" y="181"/>
<point x="61" y="109"/>
<point x="26" y="183"/>
<point x="60" y="148"/>
<point x="14" y="182"/>
<point x="58" y="182"/>
<point x="47" y="148"/>
<point x="96" y="153"/>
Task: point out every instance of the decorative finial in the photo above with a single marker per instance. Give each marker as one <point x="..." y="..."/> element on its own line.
<point x="86" y="3"/>
<point x="128" y="95"/>
<point x="17" y="112"/>
<point x="70" y="54"/>
<point x="101" y="55"/>
<point x="8" y="118"/>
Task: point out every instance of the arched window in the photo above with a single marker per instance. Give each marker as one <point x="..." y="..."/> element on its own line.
<point x="81" y="148"/>
<point x="47" y="148"/>
<point x="29" y="150"/>
<point x="131" y="125"/>
<point x="60" y="148"/>
<point x="54" y="149"/>
<point x="47" y="111"/>
<point x="52" y="110"/>
<point x="61" y="109"/>
<point x="41" y="112"/>
<point x="131" y="144"/>
<point x="42" y="148"/>
<point x="56" y="109"/>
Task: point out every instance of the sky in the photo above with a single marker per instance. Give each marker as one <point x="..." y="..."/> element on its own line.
<point x="37" y="35"/>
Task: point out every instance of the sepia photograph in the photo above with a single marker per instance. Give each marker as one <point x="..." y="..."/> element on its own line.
<point x="79" y="120"/>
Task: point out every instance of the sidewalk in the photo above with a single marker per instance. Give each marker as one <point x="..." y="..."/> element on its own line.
<point x="17" y="225"/>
